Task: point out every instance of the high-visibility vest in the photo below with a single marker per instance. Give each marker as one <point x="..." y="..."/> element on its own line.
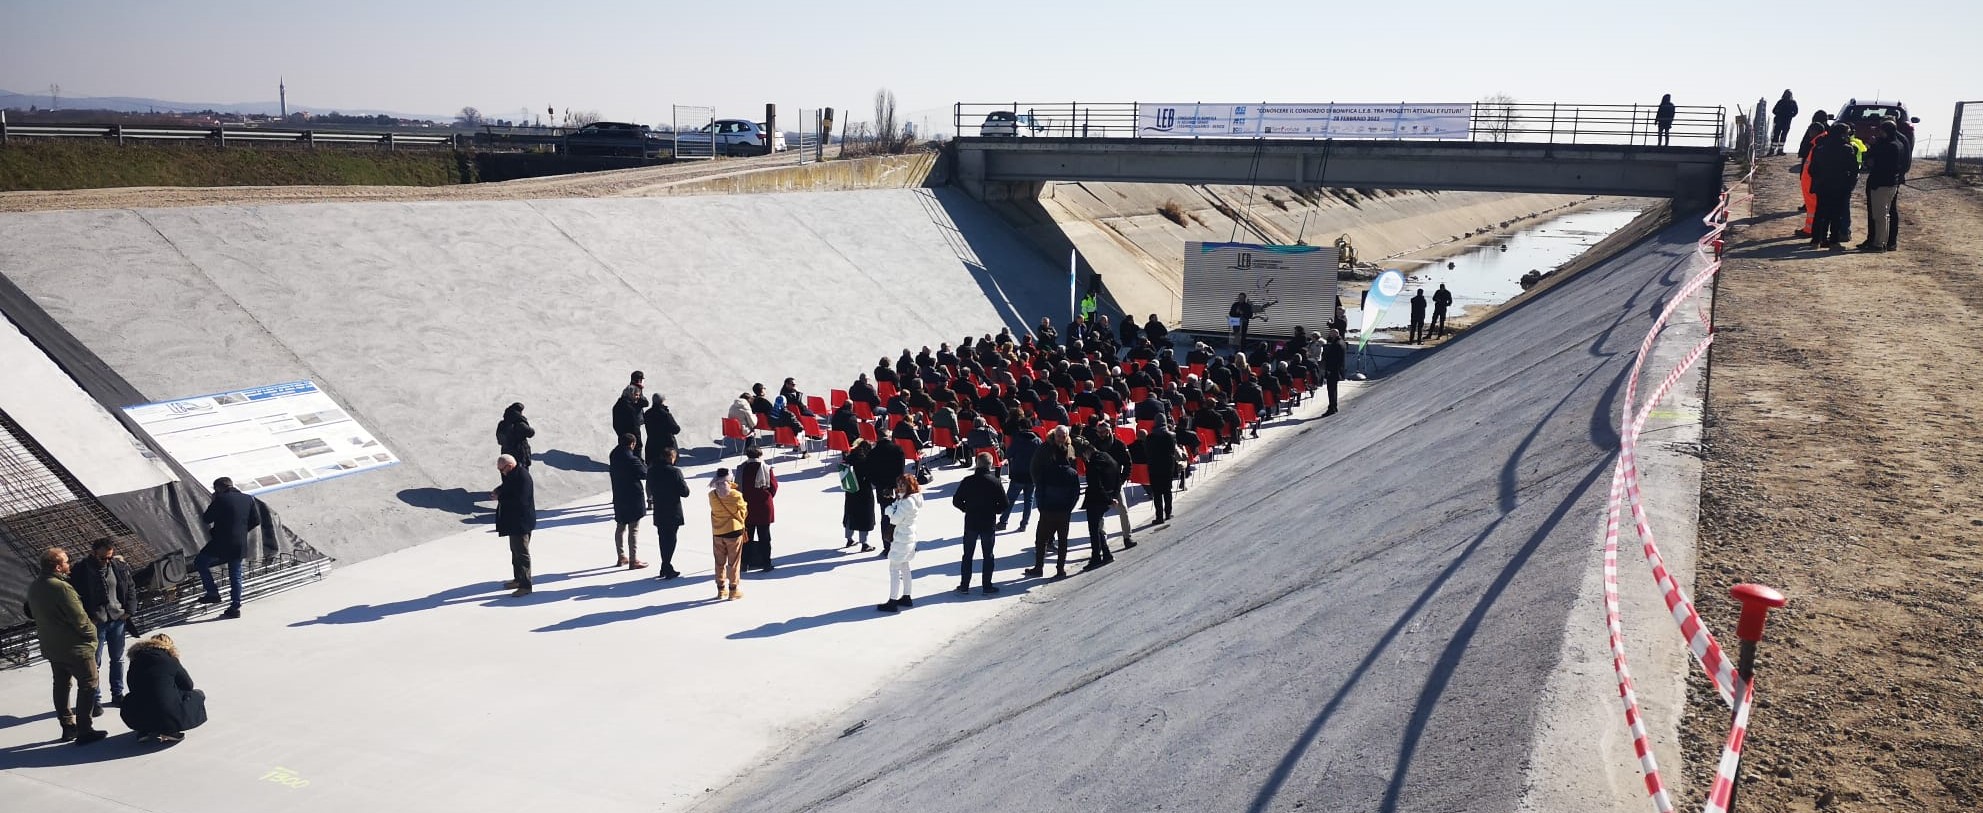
<point x="1858" y="151"/>
<point x="1089" y="305"/>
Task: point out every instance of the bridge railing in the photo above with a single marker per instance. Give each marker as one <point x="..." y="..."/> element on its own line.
<point x="223" y="136"/>
<point x="1526" y="122"/>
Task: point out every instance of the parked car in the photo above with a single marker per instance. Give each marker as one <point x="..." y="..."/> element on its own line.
<point x="1006" y="123"/>
<point x="615" y="138"/>
<point x="729" y="137"/>
<point x="1864" y="117"/>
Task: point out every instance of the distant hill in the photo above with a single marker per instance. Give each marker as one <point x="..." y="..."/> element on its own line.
<point x="10" y="100"/>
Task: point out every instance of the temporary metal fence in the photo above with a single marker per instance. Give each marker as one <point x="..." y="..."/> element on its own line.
<point x="1965" y="152"/>
<point x="698" y="121"/>
<point x="224" y="136"/>
<point x="806" y="139"/>
<point x="1526" y="122"/>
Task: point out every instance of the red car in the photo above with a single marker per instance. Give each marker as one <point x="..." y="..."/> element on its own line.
<point x="1864" y="117"/>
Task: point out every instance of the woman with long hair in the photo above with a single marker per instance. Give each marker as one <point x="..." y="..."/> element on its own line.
<point x="857" y="515"/>
<point x="162" y="702"/>
<point x="902" y="554"/>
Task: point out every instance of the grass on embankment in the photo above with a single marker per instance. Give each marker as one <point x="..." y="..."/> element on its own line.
<point x="61" y="164"/>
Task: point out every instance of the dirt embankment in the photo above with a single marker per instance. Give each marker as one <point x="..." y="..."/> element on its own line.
<point x="1844" y="438"/>
<point x="54" y="164"/>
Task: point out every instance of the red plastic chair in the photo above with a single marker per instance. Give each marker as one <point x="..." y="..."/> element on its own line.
<point x="1137" y="394"/>
<point x="996" y="424"/>
<point x="784" y="436"/>
<point x="942" y="438"/>
<point x="816" y="404"/>
<point x="984" y="390"/>
<point x="837" y="442"/>
<point x="1081" y="466"/>
<point x="864" y="410"/>
<point x="1139" y="473"/>
<point x="964" y="426"/>
<point x="733" y="429"/>
<point x="1082" y="414"/>
<point x="1198" y="370"/>
<point x="1246" y="413"/>
<point x="1206" y="440"/>
<point x="868" y="433"/>
<point x="1044" y="428"/>
<point x="811" y="425"/>
<point x="1126" y="434"/>
<point x="1146" y="425"/>
<point x="839" y="397"/>
<point x="764" y="422"/>
<point x="909" y="449"/>
<point x="884" y="389"/>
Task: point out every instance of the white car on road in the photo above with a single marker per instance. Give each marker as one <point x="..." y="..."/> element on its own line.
<point x="1005" y="123"/>
<point x="731" y="137"/>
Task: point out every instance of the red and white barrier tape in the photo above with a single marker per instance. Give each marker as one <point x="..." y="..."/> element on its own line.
<point x="1625" y="491"/>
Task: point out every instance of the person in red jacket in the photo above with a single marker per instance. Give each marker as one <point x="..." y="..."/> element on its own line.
<point x="1812" y="133"/>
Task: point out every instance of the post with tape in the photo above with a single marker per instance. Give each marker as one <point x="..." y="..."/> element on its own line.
<point x="1757" y="601"/>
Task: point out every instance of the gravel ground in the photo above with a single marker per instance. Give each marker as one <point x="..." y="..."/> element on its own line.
<point x="1843" y="438"/>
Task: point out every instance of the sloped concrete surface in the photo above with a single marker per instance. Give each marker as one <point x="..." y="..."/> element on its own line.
<point x="1362" y="621"/>
<point x="426" y="319"/>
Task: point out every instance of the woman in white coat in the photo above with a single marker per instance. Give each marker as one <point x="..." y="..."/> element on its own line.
<point x="901" y="555"/>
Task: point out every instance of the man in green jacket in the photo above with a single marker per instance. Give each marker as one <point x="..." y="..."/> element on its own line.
<point x="68" y="641"/>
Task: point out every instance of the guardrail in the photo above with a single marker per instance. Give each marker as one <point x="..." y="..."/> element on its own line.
<point x="224" y="136"/>
<point x="1527" y="122"/>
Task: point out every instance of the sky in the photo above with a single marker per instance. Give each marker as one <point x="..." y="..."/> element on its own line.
<point x="634" y="60"/>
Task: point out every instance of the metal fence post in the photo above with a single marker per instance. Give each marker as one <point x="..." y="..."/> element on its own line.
<point x="1552" y="122"/>
<point x="388" y="141"/>
<point x="219" y="137"/>
<point x="117" y="132"/>
<point x="1955" y="137"/>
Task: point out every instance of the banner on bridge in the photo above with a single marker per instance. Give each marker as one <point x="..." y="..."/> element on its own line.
<point x="1328" y="120"/>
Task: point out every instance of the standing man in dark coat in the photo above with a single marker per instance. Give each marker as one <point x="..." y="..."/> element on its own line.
<point x="1834" y="171"/>
<point x="109" y="594"/>
<point x="666" y="488"/>
<point x="1160" y="455"/>
<point x="1904" y="130"/>
<point x="1883" y="174"/>
<point x="1332" y="367"/>
<point x="513" y="434"/>
<point x="1441" y="300"/>
<point x="627" y="415"/>
<point x="982" y="499"/>
<point x="68" y="641"/>
<point x="228" y="518"/>
<point x="882" y="467"/>
<point x="1782" y="115"/>
<point x="1418" y="316"/>
<point x="629" y="476"/>
<point x="1663" y="118"/>
<point x="1025" y="445"/>
<point x="1104" y="491"/>
<point x="516" y="517"/>
<point x="661" y="428"/>
<point x="1238" y="318"/>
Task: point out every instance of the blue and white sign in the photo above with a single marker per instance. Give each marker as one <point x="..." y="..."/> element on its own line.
<point x="1326" y="120"/>
<point x="264" y="438"/>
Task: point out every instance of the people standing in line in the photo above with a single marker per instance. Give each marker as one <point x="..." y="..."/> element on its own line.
<point x="163" y="704"/>
<point x="516" y="518"/>
<point x="628" y="413"/>
<point x="1663" y="118"/>
<point x="629" y="476"/>
<point x="662" y="428"/>
<point x="513" y="434"/>
<point x="1782" y="115"/>
<point x="228" y="520"/>
<point x="1025" y="445"/>
<point x="1161" y="454"/>
<point x="727" y="520"/>
<point x="1441" y="300"/>
<point x="1059" y="490"/>
<point x="1813" y="133"/>
<point x="666" y="488"/>
<point x="1238" y="318"/>
<point x="1103" y="491"/>
<point x="760" y="488"/>
<point x="740" y="411"/>
<point x="982" y="499"/>
<point x="858" y="508"/>
<point x="109" y="595"/>
<point x="1418" y="316"/>
<point x="68" y="642"/>
<point x="1883" y="174"/>
<point x="1834" y="172"/>
<point x="1333" y="354"/>
<point x="902" y="554"/>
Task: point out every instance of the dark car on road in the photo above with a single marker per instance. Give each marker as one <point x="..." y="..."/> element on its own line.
<point x="615" y="138"/>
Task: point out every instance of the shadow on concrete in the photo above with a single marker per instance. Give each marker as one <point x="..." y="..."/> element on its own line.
<point x="569" y="461"/>
<point x="861" y="612"/>
<point x="454" y="500"/>
<point x="10" y="721"/>
<point x="998" y="260"/>
<point x="480" y="591"/>
<point x="52" y="753"/>
<point x="637" y="613"/>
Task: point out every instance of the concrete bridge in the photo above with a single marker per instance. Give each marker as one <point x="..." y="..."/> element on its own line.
<point x="1005" y="168"/>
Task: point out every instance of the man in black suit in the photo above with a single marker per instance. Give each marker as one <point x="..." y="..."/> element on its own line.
<point x="516" y="517"/>
<point x="228" y="518"/>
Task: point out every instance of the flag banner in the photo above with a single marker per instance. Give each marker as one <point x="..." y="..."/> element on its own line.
<point x="1383" y="291"/>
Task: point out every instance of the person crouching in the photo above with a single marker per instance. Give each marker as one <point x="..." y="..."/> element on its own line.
<point x="162" y="703"/>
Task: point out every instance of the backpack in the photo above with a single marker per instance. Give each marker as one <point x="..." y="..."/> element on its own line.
<point x="849" y="481"/>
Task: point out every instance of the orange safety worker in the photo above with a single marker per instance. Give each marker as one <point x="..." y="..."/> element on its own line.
<point x="1805" y="147"/>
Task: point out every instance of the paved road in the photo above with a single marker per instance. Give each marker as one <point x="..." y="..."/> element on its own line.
<point x="1362" y="622"/>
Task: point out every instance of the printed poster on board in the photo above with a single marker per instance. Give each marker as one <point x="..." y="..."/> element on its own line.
<point x="266" y="438"/>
